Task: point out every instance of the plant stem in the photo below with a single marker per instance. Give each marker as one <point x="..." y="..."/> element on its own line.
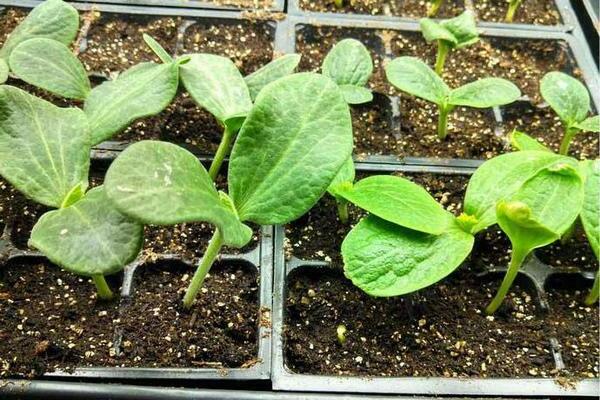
<point x="443" y="122"/>
<point x="212" y="251"/>
<point x="512" y="8"/>
<point x="104" y="291"/>
<point x="339" y="3"/>
<point x="222" y="152"/>
<point x="592" y="297"/>
<point x="435" y="6"/>
<point x="516" y="260"/>
<point x="442" y="52"/>
<point x="342" y="207"/>
<point x="566" y="140"/>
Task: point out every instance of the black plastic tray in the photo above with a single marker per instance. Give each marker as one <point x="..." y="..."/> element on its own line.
<point x="278" y="5"/>
<point x="534" y="272"/>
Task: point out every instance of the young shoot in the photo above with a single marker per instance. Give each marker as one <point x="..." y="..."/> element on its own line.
<point x="414" y="77"/>
<point x="449" y="34"/>
<point x="513" y="5"/>
<point x="341" y="334"/>
<point x="570" y="100"/>
<point x="291" y="145"/>
<point x="434" y="8"/>
<point x="349" y="64"/>
<point x="344" y="177"/>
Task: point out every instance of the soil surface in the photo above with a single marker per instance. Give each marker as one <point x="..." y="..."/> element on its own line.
<point x="9" y="19"/>
<point x="52" y="319"/>
<point x="537" y="12"/>
<point x="220" y="331"/>
<point x="576" y="252"/>
<point x="402" y="8"/>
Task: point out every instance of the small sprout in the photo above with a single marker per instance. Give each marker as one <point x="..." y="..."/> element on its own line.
<point x="570" y="100"/>
<point x="341" y="334"/>
<point x="453" y="33"/>
<point x="338" y="3"/>
<point x="513" y="5"/>
<point x="434" y="8"/>
<point x="413" y="76"/>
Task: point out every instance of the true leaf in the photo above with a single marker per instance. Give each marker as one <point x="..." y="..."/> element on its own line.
<point x="278" y="68"/>
<point x="3" y="71"/>
<point x="50" y="65"/>
<point x="385" y="259"/>
<point x="484" y="93"/>
<point x="348" y="63"/>
<point x="463" y="28"/>
<point x="89" y="237"/>
<point x="413" y="76"/>
<point x="216" y="84"/>
<point x="163" y="184"/>
<point x="522" y="141"/>
<point x="291" y="146"/>
<point x="590" y="213"/>
<point x="345" y="176"/>
<point x="566" y="95"/>
<point x="44" y="149"/>
<point x="398" y="200"/>
<point x="143" y="90"/>
<point x="52" y="19"/>
<point x="356" y="94"/>
<point x="434" y="31"/>
<point x="591" y="124"/>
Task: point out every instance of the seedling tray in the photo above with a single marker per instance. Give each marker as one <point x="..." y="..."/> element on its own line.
<point x="534" y="275"/>
<point x="276" y="5"/>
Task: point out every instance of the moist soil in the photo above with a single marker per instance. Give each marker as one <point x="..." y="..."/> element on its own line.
<point x="219" y="331"/>
<point x="575" y="253"/>
<point x="537" y="12"/>
<point x="52" y="319"/>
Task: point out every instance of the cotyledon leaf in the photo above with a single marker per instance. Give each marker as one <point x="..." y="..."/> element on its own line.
<point x="291" y="146"/>
<point x="44" y="149"/>
<point x="345" y="176"/>
<point x="348" y="63"/>
<point x="356" y="94"/>
<point x="89" y="237"/>
<point x="398" y="200"/>
<point x="590" y="213"/>
<point x="52" y="19"/>
<point x="484" y="93"/>
<point x="413" y="76"/>
<point x="163" y="184"/>
<point x="591" y="124"/>
<point x="50" y="65"/>
<point x="384" y="259"/>
<point x="522" y="141"/>
<point x="567" y="96"/>
<point x="278" y="68"/>
<point x="141" y="91"/>
<point x="3" y="71"/>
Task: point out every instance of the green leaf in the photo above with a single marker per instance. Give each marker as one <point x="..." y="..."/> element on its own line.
<point x="522" y="141"/>
<point x="433" y="31"/>
<point x="501" y="177"/>
<point x="385" y="259"/>
<point x="141" y="91"/>
<point x="463" y="28"/>
<point x="291" y="146"/>
<point x="413" y="76"/>
<point x="52" y="19"/>
<point x="398" y="200"/>
<point x="590" y="213"/>
<point x="591" y="124"/>
<point x="345" y="176"/>
<point x="44" y="149"/>
<point x="216" y="84"/>
<point x="89" y="237"/>
<point x="356" y="94"/>
<point x="157" y="49"/>
<point x="3" y="71"/>
<point x="50" y="65"/>
<point x="485" y="93"/>
<point x="567" y="96"/>
<point x="348" y="63"/>
<point x="278" y="68"/>
<point x="160" y="183"/>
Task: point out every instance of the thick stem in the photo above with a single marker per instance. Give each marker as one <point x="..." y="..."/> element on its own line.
<point x="104" y="291"/>
<point x="435" y="6"/>
<point x="516" y="260"/>
<point x="222" y="152"/>
<point x="442" y="52"/>
<point x="342" y="207"/>
<point x="443" y="122"/>
<point x="566" y="140"/>
<point x="512" y="8"/>
<point x="592" y="297"/>
<point x="212" y="251"/>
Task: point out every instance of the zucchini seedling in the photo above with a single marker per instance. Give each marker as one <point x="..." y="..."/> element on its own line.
<point x="44" y="153"/>
<point x="291" y="145"/>
<point x="453" y="33"/>
<point x="413" y="76"/>
<point x="434" y="7"/>
<point x="570" y="100"/>
<point x="513" y="5"/>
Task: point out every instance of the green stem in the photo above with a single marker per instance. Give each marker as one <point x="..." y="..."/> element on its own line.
<point x="102" y="287"/>
<point x="443" y="121"/>
<point x="222" y="152"/>
<point x="342" y="207"/>
<point x="566" y="140"/>
<point x="435" y="6"/>
<point x="516" y="260"/>
<point x="212" y="251"/>
<point x="442" y="52"/>
<point x="339" y="3"/>
<point x="512" y="8"/>
<point x="592" y="297"/>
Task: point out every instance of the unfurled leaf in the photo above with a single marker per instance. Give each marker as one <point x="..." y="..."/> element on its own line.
<point x="413" y="76"/>
<point x="141" y="91"/>
<point x="522" y="141"/>
<point x="457" y="32"/>
<point x="52" y="19"/>
<point x="291" y="146"/>
<point x="216" y="84"/>
<point x="385" y="259"/>
<point x="89" y="237"/>
<point x="278" y="68"/>
<point x="348" y="63"/>
<point x="3" y="71"/>
<point x="356" y="94"/>
<point x="591" y="124"/>
<point x="485" y="93"/>
<point x="567" y="96"/>
<point x="163" y="184"/>
<point x="345" y="176"/>
<point x="398" y="200"/>
<point x="50" y="65"/>
<point x="434" y="31"/>
<point x="44" y="149"/>
<point x="590" y="213"/>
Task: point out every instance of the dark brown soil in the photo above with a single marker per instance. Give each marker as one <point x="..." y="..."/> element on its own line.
<point x="575" y="253"/>
<point x="402" y="8"/>
<point x="51" y="319"/>
<point x="537" y="12"/>
<point x="9" y="19"/>
<point x="220" y="330"/>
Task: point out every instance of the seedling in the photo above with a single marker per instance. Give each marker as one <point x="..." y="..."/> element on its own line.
<point x="344" y="178"/>
<point x="349" y="64"/>
<point x="413" y="76"/>
<point x="44" y="153"/>
<point x="434" y="8"/>
<point x="410" y="242"/>
<point x="341" y="334"/>
<point x="290" y="147"/>
<point x="570" y="100"/>
<point x="450" y="34"/>
<point x="513" y="5"/>
<point x="338" y="3"/>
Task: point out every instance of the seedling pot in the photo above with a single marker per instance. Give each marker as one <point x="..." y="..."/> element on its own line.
<point x="276" y="5"/>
